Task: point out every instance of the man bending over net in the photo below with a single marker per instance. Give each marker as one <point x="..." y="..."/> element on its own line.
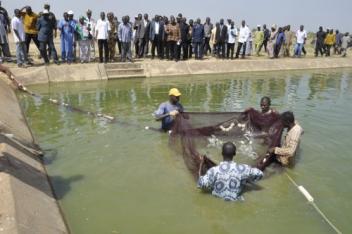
<point x="227" y="179"/>
<point x="287" y="151"/>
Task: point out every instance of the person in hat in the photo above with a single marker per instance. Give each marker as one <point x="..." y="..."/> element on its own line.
<point x="67" y="28"/>
<point x="167" y="111"/>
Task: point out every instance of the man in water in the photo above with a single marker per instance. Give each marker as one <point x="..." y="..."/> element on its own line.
<point x="228" y="178"/>
<point x="168" y="111"/>
<point x="265" y="105"/>
<point x="287" y="151"/>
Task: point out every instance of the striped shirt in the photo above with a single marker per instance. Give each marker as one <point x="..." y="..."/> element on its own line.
<point x="173" y="32"/>
<point x="290" y="145"/>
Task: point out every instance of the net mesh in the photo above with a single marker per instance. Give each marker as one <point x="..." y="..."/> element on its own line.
<point x="194" y="131"/>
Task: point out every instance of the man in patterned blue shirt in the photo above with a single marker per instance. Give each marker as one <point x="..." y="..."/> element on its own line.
<point x="227" y="179"/>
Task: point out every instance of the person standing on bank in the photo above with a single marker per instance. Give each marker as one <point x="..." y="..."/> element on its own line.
<point x="227" y="180"/>
<point x="173" y="37"/>
<point x="19" y="38"/>
<point x="346" y="39"/>
<point x="102" y="34"/>
<point x="156" y="34"/>
<point x="232" y="34"/>
<point x="208" y="27"/>
<point x="30" y="21"/>
<point x="91" y="29"/>
<point x="220" y="39"/>
<point x="242" y="39"/>
<point x="319" y="44"/>
<point x="125" y="35"/>
<point x="111" y="37"/>
<point x="46" y="28"/>
<point x="301" y="37"/>
<point x="167" y="111"/>
<point x="258" y="39"/>
<point x="143" y="36"/>
<point x="198" y="39"/>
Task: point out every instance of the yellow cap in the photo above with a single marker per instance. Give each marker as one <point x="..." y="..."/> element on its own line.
<point x="174" y="92"/>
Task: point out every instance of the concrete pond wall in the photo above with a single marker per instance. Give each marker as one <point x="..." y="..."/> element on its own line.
<point x="27" y="202"/>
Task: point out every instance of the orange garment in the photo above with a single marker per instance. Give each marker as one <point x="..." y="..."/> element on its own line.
<point x="330" y="39"/>
<point x="30" y="22"/>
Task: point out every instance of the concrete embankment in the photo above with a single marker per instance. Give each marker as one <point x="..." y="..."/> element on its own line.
<point x="156" y="68"/>
<point x="27" y="203"/>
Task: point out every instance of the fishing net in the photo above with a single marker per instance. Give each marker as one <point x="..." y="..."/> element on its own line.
<point x="193" y="132"/>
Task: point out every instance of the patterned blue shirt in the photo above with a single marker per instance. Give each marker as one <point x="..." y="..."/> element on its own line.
<point x="227" y="179"/>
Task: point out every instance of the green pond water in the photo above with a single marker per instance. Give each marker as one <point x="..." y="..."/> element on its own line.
<point x="112" y="178"/>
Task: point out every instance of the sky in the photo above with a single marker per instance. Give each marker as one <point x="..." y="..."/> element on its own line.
<point x="311" y="13"/>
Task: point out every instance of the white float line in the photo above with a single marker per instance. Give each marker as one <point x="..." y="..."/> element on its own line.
<point x="311" y="201"/>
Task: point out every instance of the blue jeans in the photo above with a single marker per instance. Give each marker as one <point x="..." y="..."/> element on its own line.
<point x="298" y="49"/>
<point x="21" y="53"/>
<point x="198" y="50"/>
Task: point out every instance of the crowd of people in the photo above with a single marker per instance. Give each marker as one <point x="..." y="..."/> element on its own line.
<point x="170" y="38"/>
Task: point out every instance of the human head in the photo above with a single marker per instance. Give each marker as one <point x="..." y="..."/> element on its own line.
<point x="29" y="10"/>
<point x="346" y="34"/>
<point x="17" y="13"/>
<point x="70" y="15"/>
<point x="89" y="14"/>
<point x="287" y="119"/>
<point x="102" y="15"/>
<point x="320" y="29"/>
<point x="243" y="23"/>
<point x="232" y="24"/>
<point x="191" y="22"/>
<point x="156" y="18"/>
<point x="140" y="16"/>
<point x="110" y="16"/>
<point x="47" y="7"/>
<point x="229" y="21"/>
<point x="172" y="19"/>
<point x="146" y="16"/>
<point x="221" y="21"/>
<point x="280" y="29"/>
<point x="174" y="95"/>
<point x="81" y="19"/>
<point x="228" y="151"/>
<point x="301" y="27"/>
<point x="265" y="103"/>
<point x="207" y="20"/>
<point x="198" y="21"/>
<point x="65" y="15"/>
<point x="258" y="27"/>
<point x="337" y="31"/>
<point x="264" y="26"/>
<point x="288" y="27"/>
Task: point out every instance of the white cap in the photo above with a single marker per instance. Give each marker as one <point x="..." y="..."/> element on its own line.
<point x="45" y="11"/>
<point x="70" y="12"/>
<point x="258" y="26"/>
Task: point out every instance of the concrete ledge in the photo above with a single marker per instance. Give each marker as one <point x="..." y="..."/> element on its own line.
<point x="156" y="68"/>
<point x="27" y="203"/>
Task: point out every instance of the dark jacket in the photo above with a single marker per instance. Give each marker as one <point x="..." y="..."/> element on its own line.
<point x="45" y="29"/>
<point x="143" y="30"/>
<point x="221" y="34"/>
<point x="184" y="29"/>
<point x="152" y="30"/>
<point x="198" y="33"/>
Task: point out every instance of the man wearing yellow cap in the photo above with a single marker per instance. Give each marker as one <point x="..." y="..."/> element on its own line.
<point x="167" y="111"/>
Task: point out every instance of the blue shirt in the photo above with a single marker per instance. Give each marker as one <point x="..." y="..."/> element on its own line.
<point x="125" y="32"/>
<point x="164" y="108"/>
<point x="45" y="29"/>
<point x="198" y="33"/>
<point x="227" y="179"/>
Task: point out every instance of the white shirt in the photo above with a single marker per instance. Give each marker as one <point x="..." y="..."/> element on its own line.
<point x="102" y="29"/>
<point x="157" y="28"/>
<point x="232" y="34"/>
<point x="301" y="35"/>
<point x="91" y="23"/>
<point x="244" y="34"/>
<point x="16" y="23"/>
